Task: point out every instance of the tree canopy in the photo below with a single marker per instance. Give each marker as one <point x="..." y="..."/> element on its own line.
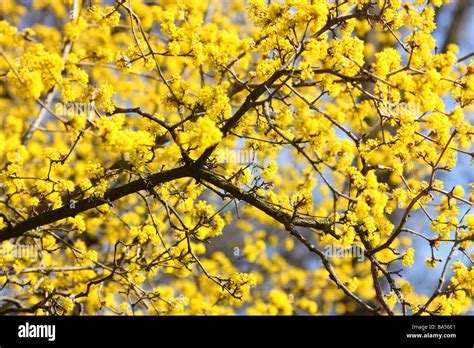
<point x="234" y="157"/>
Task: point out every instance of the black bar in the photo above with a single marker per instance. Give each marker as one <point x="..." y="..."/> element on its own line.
<point x="332" y="330"/>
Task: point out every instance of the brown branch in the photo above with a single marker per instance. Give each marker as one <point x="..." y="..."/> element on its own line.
<point x="265" y="207"/>
<point x="89" y="203"/>
<point x="332" y="273"/>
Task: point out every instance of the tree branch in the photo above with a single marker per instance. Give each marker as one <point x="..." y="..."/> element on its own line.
<point x="86" y="204"/>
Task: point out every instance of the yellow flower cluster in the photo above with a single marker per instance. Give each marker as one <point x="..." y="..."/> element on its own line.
<point x="7" y="34"/>
<point x="408" y="258"/>
<point x="346" y="55"/>
<point x="201" y="135"/>
<point x="36" y="72"/>
<point x="104" y="16"/>
<point x="460" y="298"/>
<point x="73" y="29"/>
<point x="347" y="145"/>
